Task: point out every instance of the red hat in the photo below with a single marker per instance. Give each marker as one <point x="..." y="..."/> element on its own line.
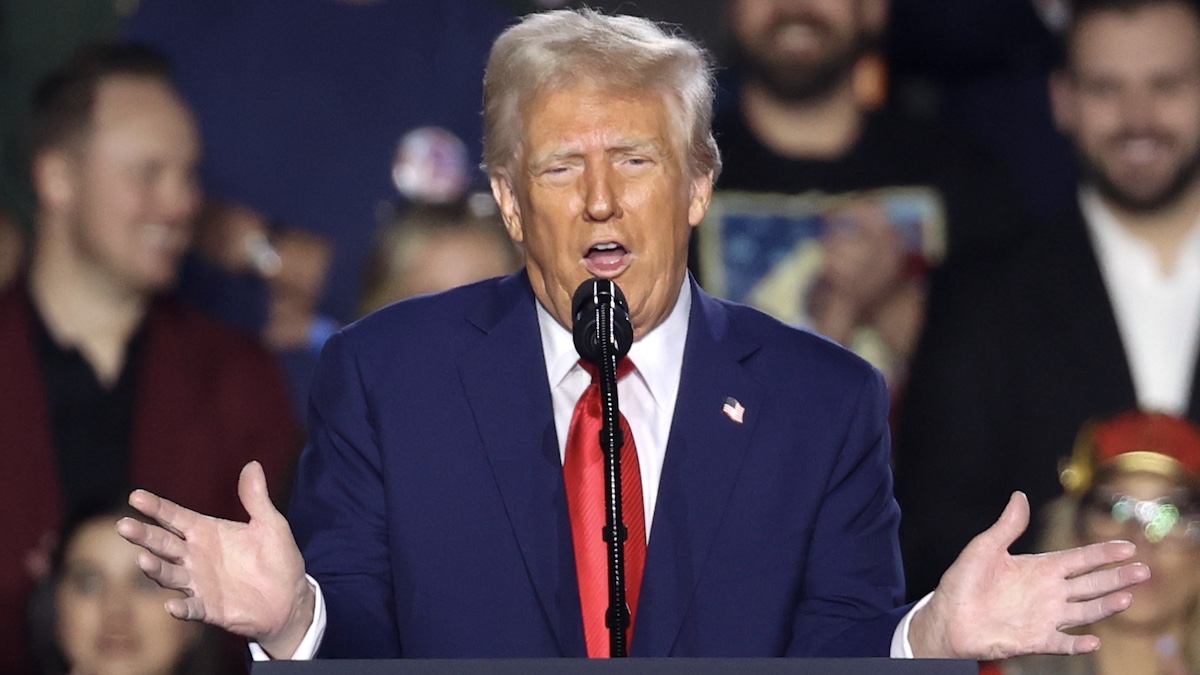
<point x="1133" y="441"/>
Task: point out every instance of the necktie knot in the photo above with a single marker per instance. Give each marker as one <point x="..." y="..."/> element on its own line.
<point x="624" y="367"/>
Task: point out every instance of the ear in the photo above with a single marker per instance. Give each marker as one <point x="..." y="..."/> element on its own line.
<point x="1063" y="101"/>
<point x="52" y="173"/>
<point x="702" y="191"/>
<point x="510" y="207"/>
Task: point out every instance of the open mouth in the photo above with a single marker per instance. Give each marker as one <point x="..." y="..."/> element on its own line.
<point x="607" y="259"/>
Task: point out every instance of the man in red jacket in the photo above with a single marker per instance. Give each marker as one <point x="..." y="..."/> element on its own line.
<point x="107" y="384"/>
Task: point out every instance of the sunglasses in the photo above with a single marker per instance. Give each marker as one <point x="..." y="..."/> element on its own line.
<point x="1159" y="520"/>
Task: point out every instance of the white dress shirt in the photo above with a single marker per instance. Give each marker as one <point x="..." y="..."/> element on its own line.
<point x="647" y="398"/>
<point x="1158" y="315"/>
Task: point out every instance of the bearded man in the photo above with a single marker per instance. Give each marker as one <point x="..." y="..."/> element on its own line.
<point x="1099" y="314"/>
<point x="897" y="200"/>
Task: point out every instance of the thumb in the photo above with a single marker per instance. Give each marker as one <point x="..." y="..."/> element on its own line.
<point x="252" y="491"/>
<point x="1011" y="523"/>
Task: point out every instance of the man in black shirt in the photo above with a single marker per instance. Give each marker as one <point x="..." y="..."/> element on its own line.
<point x="832" y="214"/>
<point x="106" y="383"/>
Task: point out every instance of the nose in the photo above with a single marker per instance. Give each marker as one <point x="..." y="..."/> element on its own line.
<point x="116" y="603"/>
<point x="1137" y="111"/>
<point x="601" y="201"/>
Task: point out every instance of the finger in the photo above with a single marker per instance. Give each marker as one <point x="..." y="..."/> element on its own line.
<point x="163" y="573"/>
<point x="170" y="515"/>
<point x="146" y="502"/>
<point x="1010" y="525"/>
<point x="1091" y="611"/>
<point x="187" y="609"/>
<point x="1079" y="644"/>
<point x="1077" y="561"/>
<point x="157" y="540"/>
<point x="1104" y="581"/>
<point x="252" y="491"/>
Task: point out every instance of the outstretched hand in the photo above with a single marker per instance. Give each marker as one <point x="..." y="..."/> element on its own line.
<point x="993" y="605"/>
<point x="247" y="578"/>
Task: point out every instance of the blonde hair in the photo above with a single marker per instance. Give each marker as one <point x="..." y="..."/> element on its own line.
<point x="409" y="235"/>
<point x="551" y="51"/>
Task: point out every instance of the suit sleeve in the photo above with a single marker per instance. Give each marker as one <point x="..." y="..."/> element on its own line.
<point x="339" y="512"/>
<point x="854" y="580"/>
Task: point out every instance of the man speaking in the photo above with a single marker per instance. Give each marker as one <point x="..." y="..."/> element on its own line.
<point x="437" y="507"/>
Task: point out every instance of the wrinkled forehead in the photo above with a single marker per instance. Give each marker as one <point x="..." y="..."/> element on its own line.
<point x="587" y="91"/>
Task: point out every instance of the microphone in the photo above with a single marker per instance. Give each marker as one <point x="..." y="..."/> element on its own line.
<point x="591" y="298"/>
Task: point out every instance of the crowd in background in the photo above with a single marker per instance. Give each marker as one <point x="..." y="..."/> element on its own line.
<point x="995" y="202"/>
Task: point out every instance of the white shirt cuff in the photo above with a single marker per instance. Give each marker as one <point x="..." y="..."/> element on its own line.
<point x="312" y="639"/>
<point x="901" y="648"/>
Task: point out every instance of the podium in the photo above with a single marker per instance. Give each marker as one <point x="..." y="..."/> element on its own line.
<point x="636" y="666"/>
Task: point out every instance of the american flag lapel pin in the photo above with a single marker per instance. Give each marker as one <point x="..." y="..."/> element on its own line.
<point x="734" y="410"/>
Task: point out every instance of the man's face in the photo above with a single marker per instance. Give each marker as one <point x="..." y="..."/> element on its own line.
<point x="803" y="49"/>
<point x="128" y="192"/>
<point x="1131" y="102"/>
<point x="601" y="190"/>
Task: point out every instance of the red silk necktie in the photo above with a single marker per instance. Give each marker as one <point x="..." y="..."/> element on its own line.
<point x="583" y="470"/>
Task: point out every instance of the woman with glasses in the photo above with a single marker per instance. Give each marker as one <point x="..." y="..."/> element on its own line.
<point x="1136" y="477"/>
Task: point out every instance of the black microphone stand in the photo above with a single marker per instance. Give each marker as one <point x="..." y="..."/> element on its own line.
<point x="611" y="439"/>
<point x="603" y="335"/>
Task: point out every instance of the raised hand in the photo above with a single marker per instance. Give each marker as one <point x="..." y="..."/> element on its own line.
<point x="993" y="605"/>
<point x="247" y="578"/>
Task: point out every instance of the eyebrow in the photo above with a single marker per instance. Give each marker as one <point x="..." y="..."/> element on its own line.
<point x="645" y="145"/>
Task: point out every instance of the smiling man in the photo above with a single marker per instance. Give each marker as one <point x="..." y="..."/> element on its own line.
<point x="436" y="506"/>
<point x="106" y="381"/>
<point x="1099" y="314"/>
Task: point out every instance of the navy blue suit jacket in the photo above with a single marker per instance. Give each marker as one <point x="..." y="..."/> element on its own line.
<point x="431" y="507"/>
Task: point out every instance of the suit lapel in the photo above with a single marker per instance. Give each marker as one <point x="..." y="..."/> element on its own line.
<point x="505" y="383"/>
<point x="704" y="452"/>
<point x="1082" y="308"/>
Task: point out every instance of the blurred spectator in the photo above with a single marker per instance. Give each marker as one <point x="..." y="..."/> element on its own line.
<point x="315" y="113"/>
<point x="1135" y="477"/>
<point x="107" y="382"/>
<point x="317" y="116"/>
<point x="428" y="249"/>
<point x="830" y="213"/>
<point x="291" y="264"/>
<point x="99" y="614"/>
<point x="1098" y="315"/>
<point x="981" y="68"/>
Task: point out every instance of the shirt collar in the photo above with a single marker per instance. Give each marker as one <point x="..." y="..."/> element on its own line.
<point x="1117" y="246"/>
<point x="658" y="356"/>
<point x="1106" y="232"/>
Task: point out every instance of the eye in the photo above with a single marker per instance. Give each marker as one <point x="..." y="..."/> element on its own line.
<point x="634" y="164"/>
<point x="149" y="172"/>
<point x="84" y="582"/>
<point x="559" y="174"/>
<point x="1101" y="88"/>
